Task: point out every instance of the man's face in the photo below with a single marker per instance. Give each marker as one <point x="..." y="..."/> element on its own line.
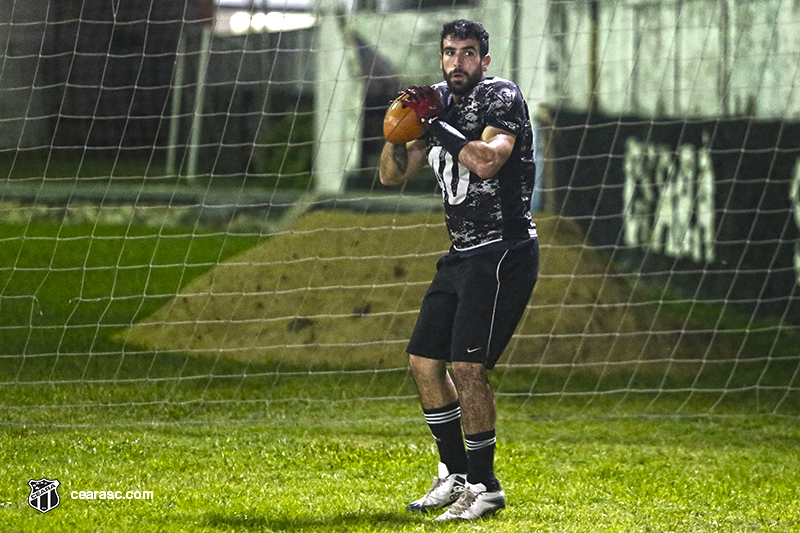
<point x="462" y="65"/>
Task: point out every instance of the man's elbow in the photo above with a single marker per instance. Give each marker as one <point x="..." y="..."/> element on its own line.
<point x="389" y="179"/>
<point x="487" y="169"/>
<point x="481" y="161"/>
<point x="484" y="172"/>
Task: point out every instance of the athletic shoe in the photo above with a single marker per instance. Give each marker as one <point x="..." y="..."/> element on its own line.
<point x="446" y="489"/>
<point x="475" y="502"/>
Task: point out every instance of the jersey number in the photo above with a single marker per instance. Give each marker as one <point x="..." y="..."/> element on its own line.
<point x="453" y="178"/>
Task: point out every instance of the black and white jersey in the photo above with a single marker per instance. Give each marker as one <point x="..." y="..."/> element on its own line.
<point x="479" y="211"/>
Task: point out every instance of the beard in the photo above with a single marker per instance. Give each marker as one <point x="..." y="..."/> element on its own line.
<point x="462" y="86"/>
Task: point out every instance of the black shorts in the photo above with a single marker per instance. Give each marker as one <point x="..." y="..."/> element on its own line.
<point x="474" y="304"/>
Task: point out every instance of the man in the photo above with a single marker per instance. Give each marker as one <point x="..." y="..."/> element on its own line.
<point x="479" y="144"/>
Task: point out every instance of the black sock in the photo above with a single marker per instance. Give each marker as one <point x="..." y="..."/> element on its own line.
<point x="445" y="424"/>
<point x="480" y="449"/>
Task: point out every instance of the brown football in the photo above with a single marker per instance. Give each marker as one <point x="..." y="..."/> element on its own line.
<point x="401" y="124"/>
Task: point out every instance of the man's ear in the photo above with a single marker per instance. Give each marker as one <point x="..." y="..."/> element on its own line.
<point x="486" y="60"/>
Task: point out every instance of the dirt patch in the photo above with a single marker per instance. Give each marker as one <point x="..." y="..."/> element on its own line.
<point x="342" y="289"/>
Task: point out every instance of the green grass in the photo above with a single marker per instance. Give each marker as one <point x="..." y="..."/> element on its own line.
<point x="352" y="467"/>
<point x="61" y="163"/>
<point x="227" y="446"/>
<point x="66" y="289"/>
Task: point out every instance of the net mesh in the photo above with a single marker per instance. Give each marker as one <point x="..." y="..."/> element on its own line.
<point x="191" y="222"/>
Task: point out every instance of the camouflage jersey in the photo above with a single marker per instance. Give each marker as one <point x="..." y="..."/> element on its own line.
<point x="480" y="212"/>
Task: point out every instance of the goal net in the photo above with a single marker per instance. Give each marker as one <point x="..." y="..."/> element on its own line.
<point x="191" y="223"/>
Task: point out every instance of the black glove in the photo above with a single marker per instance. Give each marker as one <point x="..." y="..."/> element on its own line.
<point x="452" y="140"/>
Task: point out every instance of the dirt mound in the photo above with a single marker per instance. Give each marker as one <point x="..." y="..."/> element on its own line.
<point x="342" y="290"/>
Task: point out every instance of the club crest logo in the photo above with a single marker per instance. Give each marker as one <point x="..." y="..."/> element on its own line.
<point x="44" y="494"/>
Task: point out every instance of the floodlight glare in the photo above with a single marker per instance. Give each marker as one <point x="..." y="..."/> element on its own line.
<point x="282" y="21"/>
<point x="273" y="22"/>
<point x="259" y="22"/>
<point x="240" y="22"/>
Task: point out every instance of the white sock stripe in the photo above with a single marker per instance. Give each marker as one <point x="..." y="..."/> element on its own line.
<point x="478" y="444"/>
<point x="443" y="418"/>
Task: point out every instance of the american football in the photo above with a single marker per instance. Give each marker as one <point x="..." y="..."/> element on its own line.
<point x="401" y="123"/>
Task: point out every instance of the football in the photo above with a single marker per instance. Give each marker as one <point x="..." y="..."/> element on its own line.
<point x="401" y="124"/>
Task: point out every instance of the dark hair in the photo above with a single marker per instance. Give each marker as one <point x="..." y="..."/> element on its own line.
<point x="461" y="30"/>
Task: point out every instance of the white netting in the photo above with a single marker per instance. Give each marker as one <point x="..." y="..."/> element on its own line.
<point x="191" y="217"/>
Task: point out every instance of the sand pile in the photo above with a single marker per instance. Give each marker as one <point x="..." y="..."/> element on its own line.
<point x="341" y="289"/>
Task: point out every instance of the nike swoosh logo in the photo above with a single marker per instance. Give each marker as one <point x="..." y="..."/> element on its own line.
<point x="473" y="350"/>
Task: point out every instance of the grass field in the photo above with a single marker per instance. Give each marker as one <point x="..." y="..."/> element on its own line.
<point x="352" y="467"/>
<point x="227" y="445"/>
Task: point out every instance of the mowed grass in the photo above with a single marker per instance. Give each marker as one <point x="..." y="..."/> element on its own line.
<point x="353" y="467"/>
<point x="64" y="288"/>
<point x="228" y="446"/>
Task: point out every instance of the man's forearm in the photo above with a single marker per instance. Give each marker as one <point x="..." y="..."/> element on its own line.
<point x="484" y="156"/>
<point x="394" y="163"/>
<point x="400" y="162"/>
<point x="400" y="157"/>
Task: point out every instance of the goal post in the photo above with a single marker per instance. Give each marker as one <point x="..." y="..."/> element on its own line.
<point x="284" y="273"/>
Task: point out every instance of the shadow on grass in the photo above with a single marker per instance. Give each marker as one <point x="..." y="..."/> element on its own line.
<point x="351" y="521"/>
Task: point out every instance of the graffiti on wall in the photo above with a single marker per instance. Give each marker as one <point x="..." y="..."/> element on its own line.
<point x="669" y="199"/>
<point x="794" y="198"/>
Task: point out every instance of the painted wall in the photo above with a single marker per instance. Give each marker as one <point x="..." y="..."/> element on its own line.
<point x="677" y="58"/>
<point x="406" y="45"/>
<point x="710" y="207"/>
<point x="24" y="117"/>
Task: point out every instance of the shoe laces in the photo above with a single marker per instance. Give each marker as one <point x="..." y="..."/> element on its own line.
<point x="437" y="482"/>
<point x="439" y="486"/>
<point x="464" y="502"/>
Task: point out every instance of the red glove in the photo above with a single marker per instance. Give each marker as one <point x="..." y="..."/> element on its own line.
<point x="423" y="100"/>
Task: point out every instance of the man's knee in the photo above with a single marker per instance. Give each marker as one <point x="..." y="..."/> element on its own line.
<point x="417" y="361"/>
<point x="435" y="387"/>
<point x="424" y="367"/>
<point x="470" y="374"/>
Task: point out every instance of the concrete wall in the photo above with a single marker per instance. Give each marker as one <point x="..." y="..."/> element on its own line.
<point x="24" y="119"/>
<point x="680" y="58"/>
<point x="77" y="74"/>
<point x="406" y="44"/>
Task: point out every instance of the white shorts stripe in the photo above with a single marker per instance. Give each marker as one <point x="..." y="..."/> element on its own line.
<point x="494" y="305"/>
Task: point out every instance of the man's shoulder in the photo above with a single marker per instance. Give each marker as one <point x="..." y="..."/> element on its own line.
<point x="489" y="82"/>
<point x="496" y="85"/>
<point x="497" y="81"/>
